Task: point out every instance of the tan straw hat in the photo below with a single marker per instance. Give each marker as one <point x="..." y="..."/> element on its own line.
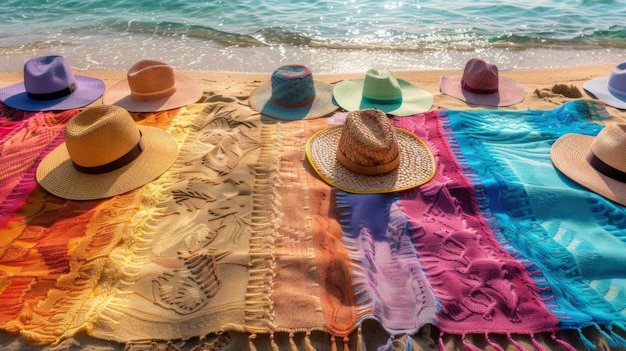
<point x="105" y="154"/>
<point x="597" y="163"/>
<point x="152" y="86"/>
<point x="368" y="155"/>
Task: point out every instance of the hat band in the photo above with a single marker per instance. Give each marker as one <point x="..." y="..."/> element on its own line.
<point x="382" y="101"/>
<point x="616" y="91"/>
<point x="153" y="95"/>
<point x="115" y="164"/>
<point x="476" y="90"/>
<point x="53" y="95"/>
<point x="368" y="170"/>
<point x="297" y="104"/>
<point x="605" y="169"/>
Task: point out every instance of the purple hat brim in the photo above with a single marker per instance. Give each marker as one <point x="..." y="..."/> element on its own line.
<point x="88" y="90"/>
<point x="599" y="88"/>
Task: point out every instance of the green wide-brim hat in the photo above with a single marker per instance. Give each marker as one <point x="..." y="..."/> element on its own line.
<point x="352" y="95"/>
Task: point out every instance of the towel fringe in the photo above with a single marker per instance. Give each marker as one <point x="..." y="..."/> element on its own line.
<point x="273" y="343"/>
<point x="621" y="341"/>
<point x="442" y="346"/>
<point x="307" y="342"/>
<point x="562" y="343"/>
<point x="360" y="343"/>
<point x="515" y="343"/>
<point x="387" y="346"/>
<point x="536" y="343"/>
<point x="292" y="343"/>
<point x="586" y="342"/>
<point x="492" y="343"/>
<point x="468" y="345"/>
<point x="251" y="343"/>
<point x="609" y="337"/>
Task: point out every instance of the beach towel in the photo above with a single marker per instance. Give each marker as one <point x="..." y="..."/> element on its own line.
<point x="569" y="240"/>
<point x="25" y="138"/>
<point x="482" y="285"/>
<point x="240" y="237"/>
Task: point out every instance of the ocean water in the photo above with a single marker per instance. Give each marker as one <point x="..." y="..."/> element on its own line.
<point x="326" y="35"/>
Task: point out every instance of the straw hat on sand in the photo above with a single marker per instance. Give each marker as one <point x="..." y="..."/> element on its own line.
<point x="153" y="86"/>
<point x="105" y="154"/>
<point x="368" y="155"/>
<point x="481" y="84"/>
<point x="597" y="163"/>
<point x="293" y="94"/>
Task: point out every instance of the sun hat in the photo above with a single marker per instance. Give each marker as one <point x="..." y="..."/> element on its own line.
<point x="611" y="89"/>
<point x="152" y="86"/>
<point x="368" y="155"/>
<point x="481" y="84"/>
<point x="49" y="84"/>
<point x="293" y="94"/>
<point x="380" y="89"/>
<point x="105" y="154"/>
<point x="597" y="163"/>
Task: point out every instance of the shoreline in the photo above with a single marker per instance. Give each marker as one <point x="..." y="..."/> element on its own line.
<point x="202" y="57"/>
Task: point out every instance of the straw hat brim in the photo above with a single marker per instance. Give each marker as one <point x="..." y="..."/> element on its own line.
<point x="417" y="164"/>
<point x="188" y="91"/>
<point x="510" y="92"/>
<point x="88" y="90"/>
<point x="599" y="89"/>
<point x="569" y="155"/>
<point x="58" y="176"/>
<point x="260" y="100"/>
<point x="349" y="95"/>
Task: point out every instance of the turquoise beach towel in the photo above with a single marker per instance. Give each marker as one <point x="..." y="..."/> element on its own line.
<point x="571" y="240"/>
<point x="499" y="240"/>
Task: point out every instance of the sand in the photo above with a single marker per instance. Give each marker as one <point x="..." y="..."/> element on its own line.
<point x="545" y="89"/>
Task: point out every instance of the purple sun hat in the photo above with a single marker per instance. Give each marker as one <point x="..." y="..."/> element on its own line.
<point x="610" y="89"/>
<point x="49" y="84"/>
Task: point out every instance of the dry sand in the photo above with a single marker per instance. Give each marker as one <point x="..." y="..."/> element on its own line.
<point x="540" y="84"/>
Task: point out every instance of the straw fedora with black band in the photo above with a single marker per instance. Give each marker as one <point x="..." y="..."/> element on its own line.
<point x="49" y="84"/>
<point x="152" y="86"/>
<point x="597" y="163"/>
<point x="368" y="155"/>
<point x="612" y="89"/>
<point x="293" y="94"/>
<point x="382" y="90"/>
<point x="481" y="84"/>
<point x="105" y="154"/>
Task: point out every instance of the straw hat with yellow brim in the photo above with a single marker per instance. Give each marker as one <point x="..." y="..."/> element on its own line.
<point x="381" y="90"/>
<point x="292" y="94"/>
<point x="368" y="155"/>
<point x="152" y="86"/>
<point x="105" y="154"/>
<point x="597" y="163"/>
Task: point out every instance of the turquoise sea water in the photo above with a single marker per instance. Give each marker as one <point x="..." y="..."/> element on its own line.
<point x="326" y="35"/>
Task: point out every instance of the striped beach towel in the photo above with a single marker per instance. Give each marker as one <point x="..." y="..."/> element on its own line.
<point x="240" y="237"/>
